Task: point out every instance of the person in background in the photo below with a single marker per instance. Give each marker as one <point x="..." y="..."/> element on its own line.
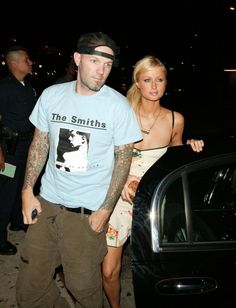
<point x="161" y="128"/>
<point x="70" y="73"/>
<point x="74" y="204"/>
<point x="17" y="100"/>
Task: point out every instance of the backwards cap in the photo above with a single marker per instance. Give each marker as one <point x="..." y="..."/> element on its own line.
<point x="89" y="41"/>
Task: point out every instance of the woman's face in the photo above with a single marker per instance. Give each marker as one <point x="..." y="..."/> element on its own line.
<point x="152" y="83"/>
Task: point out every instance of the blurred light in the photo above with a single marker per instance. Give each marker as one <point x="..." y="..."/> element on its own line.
<point x="151" y="215"/>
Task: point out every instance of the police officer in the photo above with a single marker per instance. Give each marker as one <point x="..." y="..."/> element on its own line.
<point x="17" y="99"/>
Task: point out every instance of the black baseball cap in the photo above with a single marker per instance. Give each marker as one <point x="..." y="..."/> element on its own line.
<point x="89" y="41"/>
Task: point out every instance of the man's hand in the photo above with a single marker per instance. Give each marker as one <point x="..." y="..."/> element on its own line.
<point x="30" y="203"/>
<point x="99" y="219"/>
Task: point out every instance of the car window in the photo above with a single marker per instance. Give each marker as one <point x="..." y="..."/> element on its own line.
<point x="214" y="204"/>
<point x="204" y="211"/>
<point x="173" y="214"/>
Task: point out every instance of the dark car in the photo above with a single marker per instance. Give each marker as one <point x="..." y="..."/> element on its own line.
<point x="183" y="239"/>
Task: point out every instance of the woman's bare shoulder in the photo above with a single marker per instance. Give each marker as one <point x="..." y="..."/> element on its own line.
<point x="178" y="117"/>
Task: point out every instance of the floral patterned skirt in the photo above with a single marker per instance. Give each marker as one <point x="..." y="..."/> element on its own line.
<point x="120" y="224"/>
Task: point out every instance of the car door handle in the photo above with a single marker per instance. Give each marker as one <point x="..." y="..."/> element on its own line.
<point x="186" y="285"/>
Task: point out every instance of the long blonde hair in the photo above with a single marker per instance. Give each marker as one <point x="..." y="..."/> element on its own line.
<point x="144" y="64"/>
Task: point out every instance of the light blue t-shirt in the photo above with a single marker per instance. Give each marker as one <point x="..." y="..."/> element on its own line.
<point x="83" y="131"/>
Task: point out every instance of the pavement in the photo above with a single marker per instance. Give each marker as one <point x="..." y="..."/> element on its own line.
<point x="9" y="267"/>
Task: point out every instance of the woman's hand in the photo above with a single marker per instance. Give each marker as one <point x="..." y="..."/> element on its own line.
<point x="130" y="187"/>
<point x="197" y="145"/>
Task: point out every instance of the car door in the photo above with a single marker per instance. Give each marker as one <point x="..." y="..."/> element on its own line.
<point x="192" y="237"/>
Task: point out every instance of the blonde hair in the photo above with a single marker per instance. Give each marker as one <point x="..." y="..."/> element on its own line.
<point x="133" y="94"/>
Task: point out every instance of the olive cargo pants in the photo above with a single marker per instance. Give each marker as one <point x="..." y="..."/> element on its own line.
<point x="61" y="237"/>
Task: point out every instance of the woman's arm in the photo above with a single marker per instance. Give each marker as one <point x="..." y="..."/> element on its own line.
<point x="177" y="138"/>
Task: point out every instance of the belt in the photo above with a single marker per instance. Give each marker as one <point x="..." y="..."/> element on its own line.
<point x="81" y="210"/>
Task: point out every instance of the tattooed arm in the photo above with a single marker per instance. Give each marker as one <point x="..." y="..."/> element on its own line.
<point x="123" y="157"/>
<point x="37" y="157"/>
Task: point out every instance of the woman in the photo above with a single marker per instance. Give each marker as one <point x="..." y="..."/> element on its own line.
<point x="161" y="129"/>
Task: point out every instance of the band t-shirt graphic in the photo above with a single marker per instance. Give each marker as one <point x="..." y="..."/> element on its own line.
<point x="72" y="150"/>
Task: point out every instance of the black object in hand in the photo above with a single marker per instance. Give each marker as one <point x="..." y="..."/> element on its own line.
<point x="34" y="213"/>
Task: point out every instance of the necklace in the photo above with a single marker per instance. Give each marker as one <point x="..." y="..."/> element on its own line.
<point x="147" y="131"/>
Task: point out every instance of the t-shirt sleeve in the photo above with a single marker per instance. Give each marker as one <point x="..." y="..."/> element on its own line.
<point x="127" y="128"/>
<point x="38" y="116"/>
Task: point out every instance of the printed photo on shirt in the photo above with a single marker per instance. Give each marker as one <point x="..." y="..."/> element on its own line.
<point x="72" y="150"/>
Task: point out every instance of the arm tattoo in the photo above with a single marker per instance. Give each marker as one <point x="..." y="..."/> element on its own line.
<point x="123" y="157"/>
<point x="37" y="157"/>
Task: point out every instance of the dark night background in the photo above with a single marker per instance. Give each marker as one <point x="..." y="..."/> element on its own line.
<point x="195" y="39"/>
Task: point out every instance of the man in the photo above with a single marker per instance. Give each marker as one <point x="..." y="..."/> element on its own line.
<point x="74" y="205"/>
<point x="70" y="73"/>
<point x="17" y="100"/>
